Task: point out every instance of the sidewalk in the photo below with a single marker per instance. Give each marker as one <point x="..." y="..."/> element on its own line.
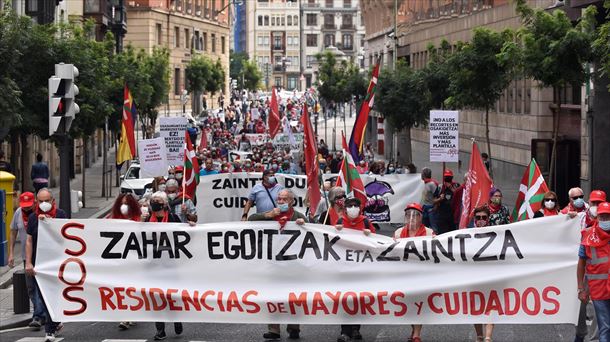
<point x="95" y="206"/>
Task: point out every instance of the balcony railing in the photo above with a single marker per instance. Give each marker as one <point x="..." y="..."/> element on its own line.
<point x="308" y="5"/>
<point x="329" y="27"/>
<point x="348" y="27"/>
<point x="278" y="47"/>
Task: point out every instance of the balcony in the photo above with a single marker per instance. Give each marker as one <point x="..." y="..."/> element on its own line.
<point x="329" y="27"/>
<point x="308" y="5"/>
<point x="278" y="68"/>
<point x="342" y="47"/>
<point x="278" y="47"/>
<point x="348" y="27"/>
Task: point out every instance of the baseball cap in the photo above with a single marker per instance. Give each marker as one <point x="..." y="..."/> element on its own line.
<point x="26" y="200"/>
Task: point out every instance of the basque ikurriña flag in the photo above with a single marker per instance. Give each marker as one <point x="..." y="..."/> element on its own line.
<point x="357" y="138"/>
<point x="531" y="193"/>
<point x="191" y="168"/>
<point x="349" y="178"/>
<point x="127" y="146"/>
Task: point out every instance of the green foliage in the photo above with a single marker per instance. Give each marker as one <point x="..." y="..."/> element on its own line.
<point x="436" y="74"/>
<point x="252" y="76"/>
<point x="216" y="82"/>
<point x="338" y="80"/>
<point x="198" y="73"/>
<point x="481" y="69"/>
<point x="399" y="96"/>
<point x="601" y="44"/>
<point x="236" y="60"/>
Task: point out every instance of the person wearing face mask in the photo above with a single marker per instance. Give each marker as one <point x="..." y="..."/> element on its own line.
<point x="445" y="204"/>
<point x="362" y="167"/>
<point x="335" y="163"/>
<point x="160" y="213"/>
<point x="208" y="169"/>
<point x="263" y="195"/>
<point x="336" y="200"/>
<point x="413" y="227"/>
<point x="158" y="184"/>
<point x="125" y="207"/>
<point x="593" y="269"/>
<point x="595" y="198"/>
<point x="577" y="203"/>
<point x="498" y="213"/>
<point x="390" y="169"/>
<point x="45" y="208"/>
<point x="185" y="211"/>
<point x="482" y="218"/>
<point x="549" y="205"/>
<point x="179" y="172"/>
<point x="282" y="213"/>
<point x="352" y="218"/>
<point x="248" y="166"/>
<point x="18" y="228"/>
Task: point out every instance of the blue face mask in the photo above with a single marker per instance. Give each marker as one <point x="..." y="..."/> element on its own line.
<point x="579" y="203"/>
<point x="605" y="225"/>
<point x="272" y="180"/>
<point x="283" y="207"/>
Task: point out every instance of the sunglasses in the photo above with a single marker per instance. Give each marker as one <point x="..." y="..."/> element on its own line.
<point x="550" y="200"/>
<point x="481" y="217"/>
<point x="352" y="206"/>
<point x="340" y="197"/>
<point x="577" y="197"/>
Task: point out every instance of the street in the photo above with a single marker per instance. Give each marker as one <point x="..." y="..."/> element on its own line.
<point x="108" y="332"/>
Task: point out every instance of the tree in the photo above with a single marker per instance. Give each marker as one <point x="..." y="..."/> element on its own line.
<point x="251" y="76"/>
<point x="601" y="44"/>
<point x="330" y="74"/>
<point x="555" y="54"/>
<point x="198" y="74"/>
<point x="480" y="71"/>
<point x="156" y="66"/>
<point x="400" y="99"/>
<point x="216" y="82"/>
<point x="236" y="60"/>
<point x="436" y="74"/>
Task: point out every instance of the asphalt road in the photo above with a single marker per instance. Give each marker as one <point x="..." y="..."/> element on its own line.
<point x="108" y="332"/>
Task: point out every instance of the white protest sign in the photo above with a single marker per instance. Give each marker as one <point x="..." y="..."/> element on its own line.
<point x="153" y="158"/>
<point x="251" y="272"/>
<point x="222" y="197"/>
<point x="173" y="130"/>
<point x="444" y="136"/>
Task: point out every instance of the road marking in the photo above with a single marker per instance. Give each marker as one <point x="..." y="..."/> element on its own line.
<point x="14" y="329"/>
<point x="123" y="340"/>
<point x="37" y="339"/>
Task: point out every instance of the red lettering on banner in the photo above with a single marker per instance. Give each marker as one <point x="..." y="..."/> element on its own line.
<point x="494" y="303"/>
<point x="219" y="302"/>
<point x="525" y="300"/>
<point x="105" y="296"/>
<point x="119" y="298"/>
<point x="507" y="308"/>
<point x="336" y="298"/>
<point x="255" y="307"/>
<point x="456" y="308"/>
<point x="381" y="298"/>
<point x="203" y="300"/>
<point x="367" y="305"/>
<point x="171" y="301"/>
<point x="131" y="294"/>
<point x="547" y="299"/>
<point x="318" y="304"/>
<point x="64" y="233"/>
<point x="70" y="298"/>
<point x="146" y="301"/>
<point x="474" y="310"/>
<point x="157" y="306"/>
<point x="431" y="304"/>
<point x="344" y="302"/>
<point x="188" y="300"/>
<point x="394" y="300"/>
<point x="301" y="300"/>
<point x="233" y="302"/>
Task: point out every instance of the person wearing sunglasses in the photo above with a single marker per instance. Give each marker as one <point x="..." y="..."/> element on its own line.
<point x="549" y="205"/>
<point x="482" y="218"/>
<point x="413" y="227"/>
<point x="353" y="218"/>
<point x="577" y="203"/>
<point x="336" y="199"/>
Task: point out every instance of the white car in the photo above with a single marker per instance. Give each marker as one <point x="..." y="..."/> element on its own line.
<point x="132" y="183"/>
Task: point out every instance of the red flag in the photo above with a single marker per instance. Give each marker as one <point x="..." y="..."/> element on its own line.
<point x="127" y="145"/>
<point x="356" y="140"/>
<point x="191" y="168"/>
<point x="349" y="178"/>
<point x="311" y="162"/>
<point x="477" y="187"/>
<point x="274" y="115"/>
<point x="203" y="144"/>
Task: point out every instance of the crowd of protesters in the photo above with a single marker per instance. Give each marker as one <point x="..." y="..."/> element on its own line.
<point x="439" y="211"/>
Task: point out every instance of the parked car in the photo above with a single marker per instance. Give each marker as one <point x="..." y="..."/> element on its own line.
<point x="132" y="183"/>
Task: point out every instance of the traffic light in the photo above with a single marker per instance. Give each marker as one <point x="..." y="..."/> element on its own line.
<point x="62" y="93"/>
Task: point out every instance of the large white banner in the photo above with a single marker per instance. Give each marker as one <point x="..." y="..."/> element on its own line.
<point x="444" y="136"/>
<point x="173" y="130"/>
<point x="153" y="157"/>
<point x="252" y="272"/>
<point x="222" y="197"/>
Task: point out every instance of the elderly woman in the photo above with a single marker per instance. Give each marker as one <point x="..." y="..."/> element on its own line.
<point x="550" y="206"/>
<point x="336" y="198"/>
<point x="498" y="213"/>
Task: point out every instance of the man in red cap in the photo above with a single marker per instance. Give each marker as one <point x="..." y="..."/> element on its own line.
<point x="18" y="228"/>
<point x="179" y="174"/>
<point x="444" y="204"/>
<point x="594" y="266"/>
<point x="595" y="198"/>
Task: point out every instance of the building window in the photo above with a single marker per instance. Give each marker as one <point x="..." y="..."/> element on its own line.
<point x="260" y="20"/>
<point x="308" y="81"/>
<point x="329" y="21"/>
<point x="289" y="20"/>
<point x="204" y="45"/>
<point x="277" y="42"/>
<point x="278" y="82"/>
<point x="310" y="60"/>
<point x="177" y="90"/>
<point x="292" y="82"/>
<point x="329" y="39"/>
<point x="329" y="3"/>
<point x="222" y="44"/>
<point x="347" y="21"/>
<point x="91" y="6"/>
<point x="312" y="40"/>
<point x="273" y="21"/>
<point x="187" y="38"/>
<point x="159" y="33"/>
<point x="266" y="20"/>
<point x="295" y="20"/>
<point x="347" y="3"/>
<point x="348" y="41"/>
<point x="312" y="19"/>
<point x="213" y="42"/>
<point x="263" y="41"/>
<point x="176" y="36"/>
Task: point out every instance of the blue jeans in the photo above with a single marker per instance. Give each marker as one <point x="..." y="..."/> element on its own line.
<point x="49" y="326"/>
<point x="602" y="312"/>
<point x="429" y="217"/>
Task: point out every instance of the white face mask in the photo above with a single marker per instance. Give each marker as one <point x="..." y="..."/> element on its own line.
<point x="124" y="209"/>
<point x="352" y="212"/>
<point x="593" y="211"/>
<point x="549" y="204"/>
<point x="45" y="206"/>
<point x="162" y="187"/>
<point x="144" y="210"/>
<point x="178" y="176"/>
<point x="172" y="196"/>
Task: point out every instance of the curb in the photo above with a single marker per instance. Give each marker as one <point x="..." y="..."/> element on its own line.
<point x="16" y="322"/>
<point x="102" y="212"/>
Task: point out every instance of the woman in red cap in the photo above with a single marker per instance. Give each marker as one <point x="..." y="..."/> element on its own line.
<point x="413" y="227"/>
<point x="596" y="197"/>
